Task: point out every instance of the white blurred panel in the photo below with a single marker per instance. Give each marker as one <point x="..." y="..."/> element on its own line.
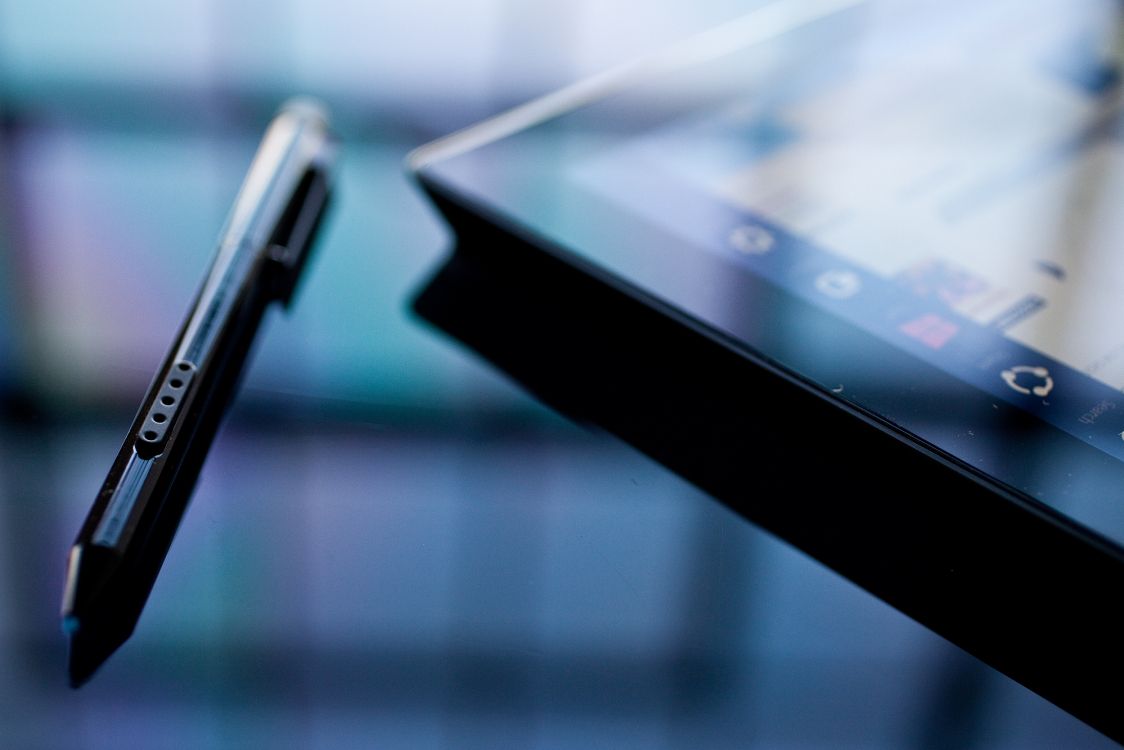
<point x="388" y="50"/>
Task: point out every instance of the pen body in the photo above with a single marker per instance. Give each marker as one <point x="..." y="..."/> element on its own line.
<point x="262" y="250"/>
<point x="110" y="578"/>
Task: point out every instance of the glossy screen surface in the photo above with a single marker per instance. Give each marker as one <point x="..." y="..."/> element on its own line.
<point x="913" y="206"/>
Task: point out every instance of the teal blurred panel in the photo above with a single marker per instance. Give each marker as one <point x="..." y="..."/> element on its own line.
<point x="126" y="41"/>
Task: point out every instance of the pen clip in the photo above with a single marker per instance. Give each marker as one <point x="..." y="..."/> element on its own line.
<point x="289" y="246"/>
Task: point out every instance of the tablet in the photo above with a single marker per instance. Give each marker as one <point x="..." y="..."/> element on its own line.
<point x="905" y="213"/>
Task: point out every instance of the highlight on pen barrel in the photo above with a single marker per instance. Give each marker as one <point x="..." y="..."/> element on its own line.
<point x="284" y="195"/>
<point x="305" y="108"/>
<point x="297" y="140"/>
<point x="312" y="148"/>
<point x="164" y="410"/>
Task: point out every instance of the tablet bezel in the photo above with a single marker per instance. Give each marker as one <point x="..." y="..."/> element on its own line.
<point x="466" y="172"/>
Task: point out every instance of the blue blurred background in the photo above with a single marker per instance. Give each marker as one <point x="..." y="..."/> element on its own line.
<point x="462" y="568"/>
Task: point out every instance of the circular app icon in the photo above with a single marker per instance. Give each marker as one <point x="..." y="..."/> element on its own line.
<point x="1036" y="380"/>
<point x="839" y="283"/>
<point x="751" y="239"/>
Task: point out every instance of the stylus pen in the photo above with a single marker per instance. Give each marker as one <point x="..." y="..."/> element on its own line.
<point x="261" y="252"/>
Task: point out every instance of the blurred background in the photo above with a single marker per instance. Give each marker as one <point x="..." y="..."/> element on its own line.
<point x="390" y="546"/>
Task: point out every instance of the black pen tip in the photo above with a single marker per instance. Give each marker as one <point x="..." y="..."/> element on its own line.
<point x="96" y="617"/>
<point x="79" y="666"/>
<point x="87" y="652"/>
<point x="78" y="679"/>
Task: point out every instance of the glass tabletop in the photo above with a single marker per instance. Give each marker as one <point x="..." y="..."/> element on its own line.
<point x="390" y="545"/>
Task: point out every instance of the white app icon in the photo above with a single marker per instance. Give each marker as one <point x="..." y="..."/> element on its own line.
<point x="1041" y="382"/>
<point x="839" y="283"/>
<point x="751" y="239"/>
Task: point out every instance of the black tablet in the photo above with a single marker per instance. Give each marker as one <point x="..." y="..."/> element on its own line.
<point x="874" y="255"/>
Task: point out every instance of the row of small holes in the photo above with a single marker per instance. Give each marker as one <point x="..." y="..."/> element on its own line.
<point x="167" y="401"/>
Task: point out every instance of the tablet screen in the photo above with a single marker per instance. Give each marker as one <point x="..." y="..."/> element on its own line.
<point x="911" y="205"/>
